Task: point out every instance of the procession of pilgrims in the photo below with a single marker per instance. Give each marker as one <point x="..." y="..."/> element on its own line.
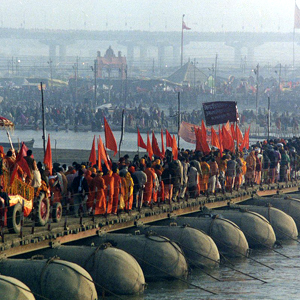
<point x="130" y="184"/>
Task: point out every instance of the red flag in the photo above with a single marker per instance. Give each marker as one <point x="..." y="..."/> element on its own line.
<point x="297" y="17"/>
<point x="110" y="140"/>
<point x="99" y="157"/>
<point x="141" y="141"/>
<point x="22" y="152"/>
<point x="169" y="140"/>
<point x="228" y="142"/>
<point x="204" y="143"/>
<point x="155" y="147"/>
<point x="93" y="157"/>
<point x="203" y="130"/>
<point x="174" y="148"/>
<point x="162" y="143"/>
<point x="149" y="147"/>
<point x="48" y="156"/>
<point x="184" y="26"/>
<point x="221" y="141"/>
<point x="103" y="155"/>
<point x="198" y="139"/>
<point x="245" y="143"/>
<point x="239" y="135"/>
<point x="214" y="139"/>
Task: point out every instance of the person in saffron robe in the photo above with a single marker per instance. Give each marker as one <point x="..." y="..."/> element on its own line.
<point x="205" y="176"/>
<point x="149" y="184"/>
<point x="117" y="188"/>
<point x="129" y="192"/>
<point x="161" y="188"/>
<point x="90" y="201"/>
<point x="98" y="186"/>
<point x="123" y="191"/>
<point x="109" y="191"/>
<point x="251" y="166"/>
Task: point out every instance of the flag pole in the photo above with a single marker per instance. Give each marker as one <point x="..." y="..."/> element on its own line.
<point x="181" y="61"/>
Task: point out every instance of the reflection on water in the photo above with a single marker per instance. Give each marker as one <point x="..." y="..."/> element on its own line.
<point x="282" y="282"/>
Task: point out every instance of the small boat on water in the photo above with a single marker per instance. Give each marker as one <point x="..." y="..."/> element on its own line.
<point x="17" y="145"/>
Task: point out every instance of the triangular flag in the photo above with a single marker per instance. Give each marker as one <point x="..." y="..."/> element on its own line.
<point x="174" y="148"/>
<point x="239" y="135"/>
<point x="155" y="147"/>
<point x="103" y="154"/>
<point x="198" y="139"/>
<point x="110" y="140"/>
<point x="221" y="141"/>
<point x="99" y="156"/>
<point x="149" y="147"/>
<point x="228" y="142"/>
<point x="233" y="134"/>
<point x="93" y="156"/>
<point x="141" y="142"/>
<point x="214" y="139"/>
<point x="162" y="143"/>
<point x="204" y="143"/>
<point x="185" y="27"/>
<point x="169" y="140"/>
<point x="203" y="130"/>
<point x="48" y="156"/>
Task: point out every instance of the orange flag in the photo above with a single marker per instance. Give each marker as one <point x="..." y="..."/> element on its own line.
<point x="174" y="148"/>
<point x="233" y="133"/>
<point x="198" y="139"/>
<point x="48" y="156"/>
<point x="93" y="157"/>
<point x="99" y="157"/>
<point x="245" y="143"/>
<point x="214" y="139"/>
<point x="228" y="142"/>
<point x="155" y="147"/>
<point x="141" y="141"/>
<point x="204" y="143"/>
<point x="102" y="152"/>
<point x="149" y="147"/>
<point x="169" y="140"/>
<point x="203" y="130"/>
<point x="162" y="143"/>
<point x="110" y="140"/>
<point x="221" y="141"/>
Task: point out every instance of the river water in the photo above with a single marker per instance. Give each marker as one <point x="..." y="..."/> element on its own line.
<point x="282" y="283"/>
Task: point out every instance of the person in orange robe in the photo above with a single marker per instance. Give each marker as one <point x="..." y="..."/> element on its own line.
<point x="161" y="189"/>
<point x="129" y="192"/>
<point x="98" y="186"/>
<point x="89" y="179"/>
<point x="109" y="191"/>
<point x="117" y="188"/>
<point x="149" y="184"/>
<point x="205" y="176"/>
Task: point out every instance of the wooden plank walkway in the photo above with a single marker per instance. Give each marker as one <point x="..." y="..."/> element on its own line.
<point x="76" y="229"/>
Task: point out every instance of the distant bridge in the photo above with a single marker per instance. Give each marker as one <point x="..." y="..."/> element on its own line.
<point x="144" y="39"/>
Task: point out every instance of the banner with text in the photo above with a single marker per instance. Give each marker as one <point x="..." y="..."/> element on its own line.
<point x="219" y="112"/>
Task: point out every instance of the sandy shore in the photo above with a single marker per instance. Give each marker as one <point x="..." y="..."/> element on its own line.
<point x="67" y="156"/>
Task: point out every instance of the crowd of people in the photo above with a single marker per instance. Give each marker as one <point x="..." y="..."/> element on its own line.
<point x="127" y="184"/>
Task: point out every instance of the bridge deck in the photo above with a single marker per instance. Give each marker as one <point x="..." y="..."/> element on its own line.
<point x="75" y="229"/>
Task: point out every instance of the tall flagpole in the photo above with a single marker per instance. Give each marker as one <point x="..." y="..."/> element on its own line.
<point x="181" y="61"/>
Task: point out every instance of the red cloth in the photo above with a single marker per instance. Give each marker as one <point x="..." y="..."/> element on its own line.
<point x="149" y="147"/>
<point x="93" y="156"/>
<point x="48" y="156"/>
<point x="141" y="142"/>
<point x="110" y="140"/>
<point x="102" y="152"/>
<point x="169" y="140"/>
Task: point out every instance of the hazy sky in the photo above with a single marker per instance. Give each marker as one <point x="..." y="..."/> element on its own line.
<point x="154" y="15"/>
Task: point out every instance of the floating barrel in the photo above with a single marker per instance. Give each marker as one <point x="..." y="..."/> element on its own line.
<point x="52" y="279"/>
<point x="284" y="225"/>
<point x="257" y="229"/>
<point x="158" y="257"/>
<point x="199" y="248"/>
<point x="13" y="289"/>
<point x="113" y="270"/>
<point x="289" y="204"/>
<point x="228" y="237"/>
